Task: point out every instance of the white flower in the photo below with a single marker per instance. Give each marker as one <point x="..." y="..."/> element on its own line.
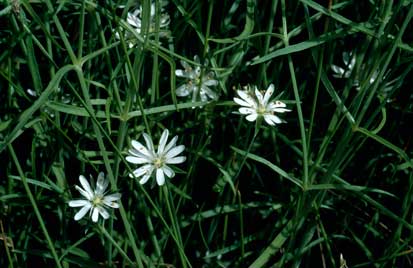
<point x="95" y="200"/>
<point x="135" y="17"/>
<point x="198" y="83"/>
<point x="259" y="105"/>
<point x="349" y="61"/>
<point x="155" y="161"/>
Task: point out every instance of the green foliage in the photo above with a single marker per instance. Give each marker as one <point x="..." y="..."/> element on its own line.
<point x="331" y="187"/>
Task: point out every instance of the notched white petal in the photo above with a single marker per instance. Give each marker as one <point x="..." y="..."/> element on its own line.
<point x="244" y="110"/>
<point x="268" y="94"/>
<point x="85" y="184"/>
<point x="136" y="160"/>
<point x="246" y="97"/>
<point x="95" y="214"/>
<point x="176" y="160"/>
<point x="82" y="212"/>
<point x="175" y="151"/>
<point x="162" y="141"/>
<point x="160" y="177"/>
<point x="241" y="102"/>
<point x="78" y="203"/>
<point x="273" y="118"/>
<point x="184" y="90"/>
<point x="252" y="117"/>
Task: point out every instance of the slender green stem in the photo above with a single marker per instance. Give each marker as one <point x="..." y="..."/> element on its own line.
<point x="208" y="27"/>
<point x="34" y="205"/>
<point x="6" y="246"/>
<point x="114" y="243"/>
<point x="297" y="99"/>
<point x="81" y="29"/>
<point x="241" y="221"/>
<point x="267" y="39"/>
<point x="175" y="226"/>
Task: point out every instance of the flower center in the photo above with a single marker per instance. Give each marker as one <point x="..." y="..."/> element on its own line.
<point x="261" y="109"/>
<point x="97" y="200"/>
<point x="158" y="162"/>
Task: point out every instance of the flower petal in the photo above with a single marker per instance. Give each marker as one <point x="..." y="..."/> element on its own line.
<point x="280" y="110"/>
<point x="168" y="171"/>
<point x="271" y="119"/>
<point x="245" y="110"/>
<point x="85" y="194"/>
<point x="141" y="150"/>
<point x="110" y="200"/>
<point x="186" y="66"/>
<point x="246" y="97"/>
<point x="162" y="141"/>
<point x="184" y="90"/>
<point x="149" y="143"/>
<point x="103" y="212"/>
<point x="176" y="160"/>
<point x="78" y="203"/>
<point x="338" y="71"/>
<point x="82" y="212"/>
<point x="145" y="179"/>
<point x="139" y="147"/>
<point x="101" y="184"/>
<point x="137" y="160"/>
<point x="174" y="151"/>
<point x="86" y="186"/>
<point x="259" y="95"/>
<point x="95" y="214"/>
<point x="252" y="117"/>
<point x="133" y="20"/>
<point x="242" y="102"/>
<point x="171" y="144"/>
<point x="146" y="169"/>
<point x="181" y="73"/>
<point x="160" y="177"/>
<point x="112" y="197"/>
<point x="268" y="120"/>
<point x="268" y="94"/>
<point x="210" y="82"/>
<point x="211" y="94"/>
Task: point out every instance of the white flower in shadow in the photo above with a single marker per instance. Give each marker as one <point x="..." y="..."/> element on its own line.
<point x="198" y="83"/>
<point x="135" y="17"/>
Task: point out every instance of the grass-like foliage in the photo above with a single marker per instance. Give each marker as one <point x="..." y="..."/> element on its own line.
<point x="244" y="133"/>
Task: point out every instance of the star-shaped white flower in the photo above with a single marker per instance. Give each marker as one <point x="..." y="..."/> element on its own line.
<point x="155" y="161"/>
<point x="95" y="202"/>
<point x="259" y="105"/>
<point x="197" y="84"/>
<point x="134" y="19"/>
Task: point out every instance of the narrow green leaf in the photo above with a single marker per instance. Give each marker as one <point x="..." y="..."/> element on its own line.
<point x="270" y="165"/>
<point x="302" y="46"/>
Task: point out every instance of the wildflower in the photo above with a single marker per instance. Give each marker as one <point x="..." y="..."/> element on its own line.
<point x="349" y="61"/>
<point x="198" y="83"/>
<point x="134" y="19"/>
<point x="155" y="161"/>
<point x="96" y="202"/>
<point x="259" y="105"/>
